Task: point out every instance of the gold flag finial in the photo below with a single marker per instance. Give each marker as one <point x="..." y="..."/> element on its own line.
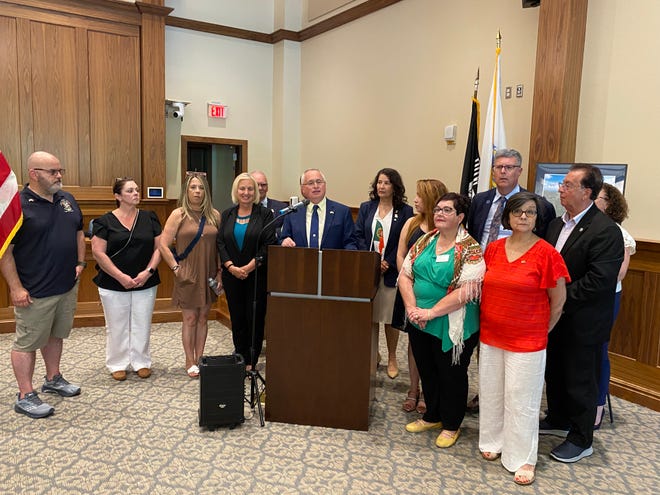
<point x="499" y="39"/>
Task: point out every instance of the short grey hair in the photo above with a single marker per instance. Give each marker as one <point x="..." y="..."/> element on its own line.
<point x="302" y="176"/>
<point x="508" y="153"/>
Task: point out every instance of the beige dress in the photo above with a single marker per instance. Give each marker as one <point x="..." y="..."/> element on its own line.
<point x="191" y="288"/>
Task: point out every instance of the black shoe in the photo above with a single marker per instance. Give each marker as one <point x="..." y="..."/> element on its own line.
<point x="546" y="428"/>
<point x="569" y="452"/>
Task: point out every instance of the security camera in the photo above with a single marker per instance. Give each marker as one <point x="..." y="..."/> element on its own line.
<point x="178" y="111"/>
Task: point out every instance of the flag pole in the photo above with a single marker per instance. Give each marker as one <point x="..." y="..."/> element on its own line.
<point x="476" y="84"/>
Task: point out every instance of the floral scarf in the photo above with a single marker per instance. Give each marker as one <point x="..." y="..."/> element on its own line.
<point x="469" y="270"/>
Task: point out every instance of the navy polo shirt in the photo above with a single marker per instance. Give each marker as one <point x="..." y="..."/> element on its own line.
<point x="46" y="245"/>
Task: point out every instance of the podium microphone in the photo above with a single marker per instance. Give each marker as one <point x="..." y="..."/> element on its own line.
<point x="293" y="207"/>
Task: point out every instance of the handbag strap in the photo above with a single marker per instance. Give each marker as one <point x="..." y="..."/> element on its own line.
<point x="129" y="237"/>
<point x="186" y="252"/>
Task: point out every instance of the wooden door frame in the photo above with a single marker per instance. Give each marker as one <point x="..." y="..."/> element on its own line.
<point x="242" y="144"/>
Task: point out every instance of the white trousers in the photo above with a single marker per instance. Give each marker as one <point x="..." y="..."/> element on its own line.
<point x="128" y="328"/>
<point x="510" y="389"/>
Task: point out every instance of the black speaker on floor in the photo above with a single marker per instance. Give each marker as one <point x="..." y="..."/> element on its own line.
<point x="221" y="390"/>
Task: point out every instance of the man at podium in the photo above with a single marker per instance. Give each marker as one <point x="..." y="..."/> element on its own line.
<point x="323" y="224"/>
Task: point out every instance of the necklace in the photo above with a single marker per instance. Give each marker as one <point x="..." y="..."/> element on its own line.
<point x="243" y="219"/>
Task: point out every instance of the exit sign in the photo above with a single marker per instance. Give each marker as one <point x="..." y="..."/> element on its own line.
<point x="217" y="111"/>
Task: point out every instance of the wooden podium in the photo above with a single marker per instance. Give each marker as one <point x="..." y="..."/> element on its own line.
<point x="322" y="345"/>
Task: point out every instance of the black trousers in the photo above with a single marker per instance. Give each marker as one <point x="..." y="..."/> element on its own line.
<point x="445" y="385"/>
<point x="571" y="377"/>
<point x="240" y="296"/>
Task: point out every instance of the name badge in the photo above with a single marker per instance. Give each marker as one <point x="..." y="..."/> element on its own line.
<point x="442" y="258"/>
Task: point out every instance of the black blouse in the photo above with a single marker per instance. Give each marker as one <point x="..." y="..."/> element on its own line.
<point x="132" y="258"/>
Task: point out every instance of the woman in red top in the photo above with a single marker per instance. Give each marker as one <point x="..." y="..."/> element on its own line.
<point x="523" y="294"/>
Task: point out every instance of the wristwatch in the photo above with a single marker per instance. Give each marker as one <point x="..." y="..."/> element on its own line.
<point x="82" y="263"/>
<point x="151" y="270"/>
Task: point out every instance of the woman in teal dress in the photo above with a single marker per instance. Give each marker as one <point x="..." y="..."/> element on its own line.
<point x="440" y="284"/>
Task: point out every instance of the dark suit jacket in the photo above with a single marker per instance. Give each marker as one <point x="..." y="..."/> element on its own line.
<point x="275" y="206"/>
<point x="593" y="254"/>
<point x="338" y="229"/>
<point x="480" y="207"/>
<point x="227" y="246"/>
<point x="364" y="235"/>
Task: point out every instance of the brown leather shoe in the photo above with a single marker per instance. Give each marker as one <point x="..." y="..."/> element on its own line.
<point x="144" y="372"/>
<point x="120" y="376"/>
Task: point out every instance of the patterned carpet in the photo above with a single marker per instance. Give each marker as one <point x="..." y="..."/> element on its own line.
<point x="142" y="437"/>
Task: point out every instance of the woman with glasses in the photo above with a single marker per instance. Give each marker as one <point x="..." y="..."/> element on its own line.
<point x="523" y="294"/>
<point x="378" y="228"/>
<point x="247" y="231"/>
<point x="188" y="247"/>
<point x="428" y="192"/>
<point x="612" y="202"/>
<point x="440" y="283"/>
<point x="125" y="246"/>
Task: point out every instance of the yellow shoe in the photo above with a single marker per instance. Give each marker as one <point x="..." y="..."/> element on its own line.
<point x="445" y="442"/>
<point x="420" y="425"/>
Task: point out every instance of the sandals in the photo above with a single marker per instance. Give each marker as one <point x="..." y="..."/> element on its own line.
<point x="193" y="371"/>
<point x="490" y="456"/>
<point x="421" y="404"/>
<point x="410" y="403"/>
<point x="524" y="476"/>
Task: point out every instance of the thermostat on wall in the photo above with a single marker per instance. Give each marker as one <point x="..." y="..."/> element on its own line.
<point x="154" y="192"/>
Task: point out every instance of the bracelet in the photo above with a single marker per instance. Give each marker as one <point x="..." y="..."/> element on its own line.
<point x="82" y="263"/>
<point x="229" y="266"/>
<point x="175" y="268"/>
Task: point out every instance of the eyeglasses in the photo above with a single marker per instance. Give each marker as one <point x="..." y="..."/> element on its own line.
<point x="447" y="210"/>
<point x="569" y="185"/>
<point x="195" y="173"/>
<point x="508" y="168"/>
<point x="528" y="213"/>
<point x="262" y="184"/>
<point x="119" y="179"/>
<point x="51" y="171"/>
<point x="312" y="183"/>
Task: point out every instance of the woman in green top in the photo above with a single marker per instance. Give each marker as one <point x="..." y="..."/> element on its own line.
<point x="440" y="283"/>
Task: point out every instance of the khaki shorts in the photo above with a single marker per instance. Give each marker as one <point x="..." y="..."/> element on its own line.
<point x="46" y="317"/>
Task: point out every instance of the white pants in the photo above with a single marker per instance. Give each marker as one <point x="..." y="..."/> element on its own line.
<point x="510" y="389"/>
<point x="128" y="328"/>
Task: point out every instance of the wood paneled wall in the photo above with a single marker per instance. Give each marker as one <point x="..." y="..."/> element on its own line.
<point x="85" y="80"/>
<point x="635" y="342"/>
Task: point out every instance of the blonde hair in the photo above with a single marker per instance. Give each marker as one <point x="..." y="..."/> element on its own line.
<point x="207" y="205"/>
<point x="234" y="187"/>
<point x="429" y="191"/>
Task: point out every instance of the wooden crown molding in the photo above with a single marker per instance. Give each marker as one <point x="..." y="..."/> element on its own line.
<point x="364" y="9"/>
<point x="150" y="8"/>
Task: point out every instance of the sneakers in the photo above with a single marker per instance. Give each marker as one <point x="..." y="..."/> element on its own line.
<point x="546" y="428"/>
<point x="31" y="405"/>
<point x="58" y="385"/>
<point x="569" y="452"/>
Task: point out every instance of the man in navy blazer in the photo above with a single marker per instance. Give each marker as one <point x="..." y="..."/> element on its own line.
<point x="507" y="167"/>
<point x="336" y="228"/>
<point x="272" y="204"/>
<point x="592" y="247"/>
